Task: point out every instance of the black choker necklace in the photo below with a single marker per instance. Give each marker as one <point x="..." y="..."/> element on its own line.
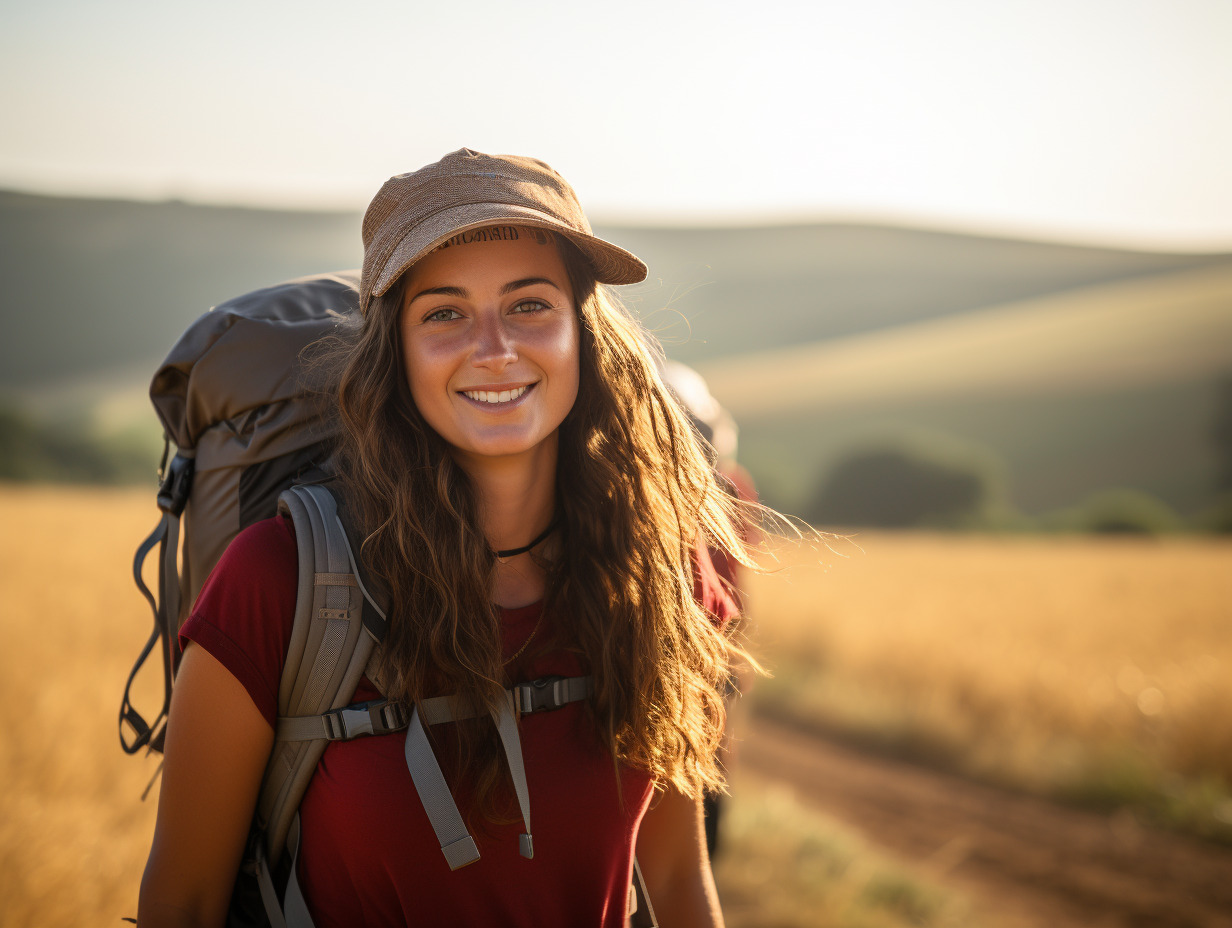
<point x="514" y="552"/>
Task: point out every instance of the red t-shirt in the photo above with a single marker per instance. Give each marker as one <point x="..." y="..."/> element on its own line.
<point x="368" y="854"/>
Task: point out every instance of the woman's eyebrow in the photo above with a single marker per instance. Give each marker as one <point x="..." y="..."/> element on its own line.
<point x="439" y="291"/>
<point x="461" y="293"/>
<point x="527" y="282"/>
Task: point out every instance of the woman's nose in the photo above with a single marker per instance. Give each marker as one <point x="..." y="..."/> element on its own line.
<point x="494" y="344"/>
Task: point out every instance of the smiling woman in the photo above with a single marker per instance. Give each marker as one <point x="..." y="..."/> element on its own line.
<point x="490" y="342"/>
<point x="538" y="509"/>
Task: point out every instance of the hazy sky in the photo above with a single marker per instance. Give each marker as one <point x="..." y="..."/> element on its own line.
<point x="1105" y="119"/>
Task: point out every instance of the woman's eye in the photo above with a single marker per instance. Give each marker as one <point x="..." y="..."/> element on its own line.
<point x="530" y="306"/>
<point x="442" y="315"/>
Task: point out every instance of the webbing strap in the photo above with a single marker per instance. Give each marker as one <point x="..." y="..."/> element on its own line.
<point x="294" y="906"/>
<point x="376" y="717"/>
<point x="382" y="717"/>
<point x="437" y="709"/>
<point x="141" y="730"/>
<point x="541" y="695"/>
<point x="641" y="913"/>
<point x="166" y="536"/>
<point x="320" y="579"/>
<point x="456" y="843"/>
<point x="293" y="913"/>
<point x="507" y="728"/>
<point x="170" y="587"/>
<point x="269" y="895"/>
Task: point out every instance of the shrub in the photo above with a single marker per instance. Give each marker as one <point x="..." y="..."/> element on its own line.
<point x="1117" y="511"/>
<point x="33" y="451"/>
<point x="912" y="483"/>
<point x="1218" y="518"/>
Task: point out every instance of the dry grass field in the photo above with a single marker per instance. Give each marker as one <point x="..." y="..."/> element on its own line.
<point x="74" y="834"/>
<point x="1057" y="664"/>
<point x="1091" y="668"/>
<point x="787" y="866"/>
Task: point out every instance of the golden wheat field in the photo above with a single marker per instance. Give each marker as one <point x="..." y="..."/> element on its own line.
<point x="1093" y="667"/>
<point x="73" y="836"/>
<point x="1049" y="641"/>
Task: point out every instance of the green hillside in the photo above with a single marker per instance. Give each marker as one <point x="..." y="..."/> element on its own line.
<point x="91" y="286"/>
<point x="1074" y="368"/>
<point x="732" y="291"/>
<point x="1111" y="385"/>
<point x="1104" y="338"/>
<point x="94" y="286"/>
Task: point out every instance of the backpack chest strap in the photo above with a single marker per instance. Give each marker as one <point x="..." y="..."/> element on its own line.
<point x="383" y="716"/>
<point x="380" y="716"/>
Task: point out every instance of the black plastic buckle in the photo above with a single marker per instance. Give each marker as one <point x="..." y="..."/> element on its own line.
<point x="540" y="695"/>
<point x="176" y="485"/>
<point x="375" y="717"/>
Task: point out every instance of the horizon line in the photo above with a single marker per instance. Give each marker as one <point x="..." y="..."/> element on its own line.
<point x="683" y="219"/>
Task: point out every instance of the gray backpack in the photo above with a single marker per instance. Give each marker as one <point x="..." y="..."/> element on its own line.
<point x="253" y="437"/>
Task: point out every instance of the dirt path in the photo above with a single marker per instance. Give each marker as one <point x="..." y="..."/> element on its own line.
<point x="1024" y="861"/>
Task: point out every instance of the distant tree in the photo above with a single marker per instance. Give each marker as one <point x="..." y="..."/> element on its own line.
<point x="33" y="451"/>
<point x="1132" y="511"/>
<point x="1217" y="518"/>
<point x="1120" y="510"/>
<point x="902" y="487"/>
<point x="21" y="447"/>
<point x="1221" y="435"/>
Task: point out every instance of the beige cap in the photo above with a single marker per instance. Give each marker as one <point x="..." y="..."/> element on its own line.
<point x="414" y="213"/>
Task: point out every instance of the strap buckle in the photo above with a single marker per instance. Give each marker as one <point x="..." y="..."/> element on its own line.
<point x="543" y="695"/>
<point x="177" y="482"/>
<point x="375" y="717"/>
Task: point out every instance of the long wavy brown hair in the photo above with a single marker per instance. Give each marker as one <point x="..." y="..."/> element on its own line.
<point x="636" y="496"/>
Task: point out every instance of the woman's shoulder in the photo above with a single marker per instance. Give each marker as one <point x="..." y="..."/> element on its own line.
<point x="269" y="539"/>
<point x="259" y="565"/>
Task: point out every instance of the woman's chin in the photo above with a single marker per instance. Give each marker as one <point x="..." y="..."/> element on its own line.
<point x="505" y="448"/>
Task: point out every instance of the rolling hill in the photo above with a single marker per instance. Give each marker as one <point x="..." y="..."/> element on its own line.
<point x="96" y="286"/>
<point x="1077" y="367"/>
<point x="1164" y="329"/>
<point x="1111" y="385"/>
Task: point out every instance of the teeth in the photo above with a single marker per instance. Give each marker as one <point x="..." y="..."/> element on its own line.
<point x="491" y="396"/>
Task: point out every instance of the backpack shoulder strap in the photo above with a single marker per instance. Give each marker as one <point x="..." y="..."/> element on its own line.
<point x="641" y="913"/>
<point x="332" y="638"/>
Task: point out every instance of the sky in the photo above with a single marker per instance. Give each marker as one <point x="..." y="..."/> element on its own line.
<point x="1085" y="120"/>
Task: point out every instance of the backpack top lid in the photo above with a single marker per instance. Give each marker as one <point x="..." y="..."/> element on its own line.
<point x="246" y="353"/>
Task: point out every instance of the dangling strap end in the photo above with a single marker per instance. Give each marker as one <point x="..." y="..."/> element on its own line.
<point x="526" y="846"/>
<point x="149" y="786"/>
<point x="462" y="852"/>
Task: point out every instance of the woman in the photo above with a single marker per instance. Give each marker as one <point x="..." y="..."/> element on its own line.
<point x="536" y="506"/>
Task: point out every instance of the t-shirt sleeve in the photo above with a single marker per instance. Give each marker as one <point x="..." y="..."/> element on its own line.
<point x="245" y="610"/>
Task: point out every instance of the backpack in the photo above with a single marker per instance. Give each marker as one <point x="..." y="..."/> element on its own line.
<point x="244" y="406"/>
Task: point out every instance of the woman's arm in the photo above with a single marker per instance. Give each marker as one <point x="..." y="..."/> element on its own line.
<point x="217" y="746"/>
<point x="671" y="849"/>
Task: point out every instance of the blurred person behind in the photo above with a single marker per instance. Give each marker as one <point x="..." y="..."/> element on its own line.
<point x="719" y="432"/>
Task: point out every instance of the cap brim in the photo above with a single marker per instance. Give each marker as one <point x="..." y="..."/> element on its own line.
<point x="612" y="264"/>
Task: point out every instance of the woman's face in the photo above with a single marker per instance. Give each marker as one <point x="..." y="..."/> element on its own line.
<point x="490" y="337"/>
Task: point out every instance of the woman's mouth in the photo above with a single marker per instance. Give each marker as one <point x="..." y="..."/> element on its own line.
<point x="496" y="396"/>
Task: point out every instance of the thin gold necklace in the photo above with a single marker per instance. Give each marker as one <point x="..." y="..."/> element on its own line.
<point x="533" y="632"/>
